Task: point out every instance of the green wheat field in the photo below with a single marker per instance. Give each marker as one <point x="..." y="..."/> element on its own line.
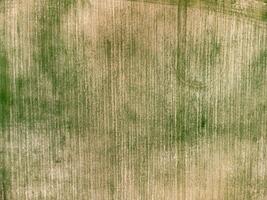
<point x="133" y="100"/>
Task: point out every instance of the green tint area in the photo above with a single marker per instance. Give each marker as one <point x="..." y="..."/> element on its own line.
<point x="4" y="183"/>
<point x="59" y="77"/>
<point x="259" y="66"/>
<point x="5" y="93"/>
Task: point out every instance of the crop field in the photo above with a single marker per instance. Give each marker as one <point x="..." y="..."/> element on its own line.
<point x="133" y="100"/>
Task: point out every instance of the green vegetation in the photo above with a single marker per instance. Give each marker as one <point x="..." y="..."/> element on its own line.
<point x="5" y="94"/>
<point x="56" y="78"/>
<point x="4" y="183"/>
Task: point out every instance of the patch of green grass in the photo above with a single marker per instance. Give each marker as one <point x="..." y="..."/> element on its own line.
<point x="61" y="79"/>
<point x="4" y="183"/>
<point x="264" y="16"/>
<point x="5" y="94"/>
<point x="258" y="66"/>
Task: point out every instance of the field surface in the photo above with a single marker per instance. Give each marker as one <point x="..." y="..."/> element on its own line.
<point x="133" y="100"/>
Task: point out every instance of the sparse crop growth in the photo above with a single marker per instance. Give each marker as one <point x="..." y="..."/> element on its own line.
<point x="133" y="100"/>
